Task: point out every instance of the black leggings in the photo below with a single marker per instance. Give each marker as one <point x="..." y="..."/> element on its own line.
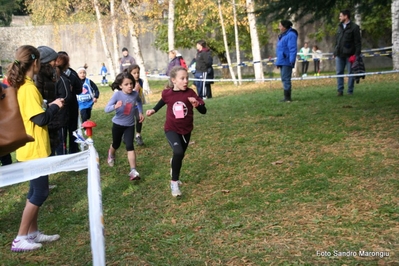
<point x="179" y="144"/>
<point x="127" y="132"/>
<point x="316" y="66"/>
<point x="305" y="65"/>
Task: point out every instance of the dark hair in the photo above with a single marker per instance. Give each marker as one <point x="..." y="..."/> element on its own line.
<point x="25" y="56"/>
<point x="315" y="46"/>
<point x="346" y="12"/>
<point x="202" y="43"/>
<point x="119" y="79"/>
<point x="286" y="24"/>
<point x="131" y="67"/>
<point x="62" y="61"/>
<point x="173" y="74"/>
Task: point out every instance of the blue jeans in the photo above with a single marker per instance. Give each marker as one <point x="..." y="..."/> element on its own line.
<point x="340" y="64"/>
<point x="286" y="73"/>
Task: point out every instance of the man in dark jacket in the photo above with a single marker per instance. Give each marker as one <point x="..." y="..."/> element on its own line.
<point x="203" y="70"/>
<point x="348" y="43"/>
<point x="126" y="60"/>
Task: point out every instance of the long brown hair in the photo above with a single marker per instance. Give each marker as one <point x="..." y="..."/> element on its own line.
<point x="25" y="56"/>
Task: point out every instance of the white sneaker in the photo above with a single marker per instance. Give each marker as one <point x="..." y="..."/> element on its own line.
<point x="23" y="245"/>
<point x="174" y="186"/>
<point x="134" y="175"/>
<point x="40" y="238"/>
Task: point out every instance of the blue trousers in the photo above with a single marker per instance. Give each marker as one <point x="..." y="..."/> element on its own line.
<point x="286" y="73"/>
<point x="340" y="64"/>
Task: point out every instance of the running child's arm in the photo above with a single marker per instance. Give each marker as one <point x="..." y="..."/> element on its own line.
<point x="158" y="106"/>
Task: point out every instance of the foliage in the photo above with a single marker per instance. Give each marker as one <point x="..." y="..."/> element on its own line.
<point x="60" y="11"/>
<point x="9" y="8"/>
<point x="325" y="12"/>
<point x="195" y="20"/>
<point x="264" y="183"/>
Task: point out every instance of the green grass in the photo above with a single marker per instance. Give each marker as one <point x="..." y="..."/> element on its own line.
<point x="265" y="183"/>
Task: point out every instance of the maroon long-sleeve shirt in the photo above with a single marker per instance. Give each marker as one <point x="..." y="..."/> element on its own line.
<point x="173" y="99"/>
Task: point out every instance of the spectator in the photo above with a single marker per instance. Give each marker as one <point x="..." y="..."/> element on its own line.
<point x="203" y="70"/>
<point x="286" y="55"/>
<point x="348" y="43"/>
<point x="126" y="60"/>
<point x="103" y="73"/>
<point x="20" y="76"/>
<point x="305" y="56"/>
<point x="316" y="54"/>
<point x="174" y="61"/>
<point x="45" y="82"/>
<point x="73" y="107"/>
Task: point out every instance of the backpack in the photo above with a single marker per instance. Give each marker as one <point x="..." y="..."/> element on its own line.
<point x="182" y="62"/>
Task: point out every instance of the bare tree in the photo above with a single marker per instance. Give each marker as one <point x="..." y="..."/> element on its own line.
<point x="114" y="35"/>
<point x="226" y="46"/>
<point x="257" y="59"/>
<point x="237" y="43"/>
<point x="395" y="33"/>
<point x="136" y="46"/>
<point x="171" y="26"/>
<point x="103" y="40"/>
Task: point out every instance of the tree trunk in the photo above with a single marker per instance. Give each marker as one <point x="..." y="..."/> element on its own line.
<point x="256" y="56"/>
<point x="171" y="25"/>
<point x="103" y="40"/>
<point x="395" y="33"/>
<point x="114" y="35"/>
<point x="226" y="46"/>
<point x="136" y="46"/>
<point x="237" y="43"/>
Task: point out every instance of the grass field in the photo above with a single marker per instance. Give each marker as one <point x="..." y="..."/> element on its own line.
<point x="265" y="183"/>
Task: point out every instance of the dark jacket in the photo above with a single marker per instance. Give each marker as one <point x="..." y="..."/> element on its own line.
<point x="45" y="82"/>
<point x="64" y="90"/>
<point x="286" y="49"/>
<point x="203" y="60"/>
<point x="174" y="62"/>
<point x="358" y="67"/>
<point x="348" y="41"/>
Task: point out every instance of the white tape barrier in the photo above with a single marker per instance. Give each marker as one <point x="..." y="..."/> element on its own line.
<point x="294" y="78"/>
<point x="88" y="159"/>
<point x="96" y="217"/>
<point x="24" y="171"/>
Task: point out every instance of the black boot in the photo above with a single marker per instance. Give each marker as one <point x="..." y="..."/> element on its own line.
<point x="287" y="96"/>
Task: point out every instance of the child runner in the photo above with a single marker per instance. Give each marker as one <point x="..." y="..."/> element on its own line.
<point x="123" y="102"/>
<point x="36" y="117"/>
<point x="180" y="102"/>
<point x="135" y="71"/>
<point x="103" y="73"/>
<point x="89" y="95"/>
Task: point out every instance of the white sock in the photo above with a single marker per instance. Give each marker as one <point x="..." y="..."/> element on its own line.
<point x="21" y="237"/>
<point x="33" y="235"/>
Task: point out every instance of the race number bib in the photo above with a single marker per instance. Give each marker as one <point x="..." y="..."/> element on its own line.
<point x="178" y="110"/>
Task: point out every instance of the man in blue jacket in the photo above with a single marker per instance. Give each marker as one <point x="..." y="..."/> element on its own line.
<point x="286" y="55"/>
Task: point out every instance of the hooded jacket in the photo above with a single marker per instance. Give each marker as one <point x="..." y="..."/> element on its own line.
<point x="286" y="50"/>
